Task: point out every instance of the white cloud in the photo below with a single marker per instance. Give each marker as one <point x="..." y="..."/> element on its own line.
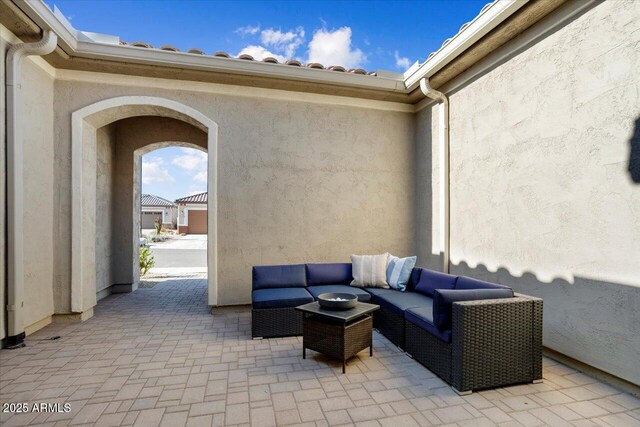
<point x="247" y="30"/>
<point x="334" y="48"/>
<point x="286" y="43"/>
<point x="153" y="172"/>
<point x="193" y="160"/>
<point x="194" y="192"/>
<point x="402" y="62"/>
<point x="259" y="53"/>
<point x="200" y="177"/>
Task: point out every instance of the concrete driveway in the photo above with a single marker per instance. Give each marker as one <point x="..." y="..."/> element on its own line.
<point x="180" y="254"/>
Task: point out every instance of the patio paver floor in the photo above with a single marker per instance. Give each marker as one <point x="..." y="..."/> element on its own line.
<point x="158" y="357"/>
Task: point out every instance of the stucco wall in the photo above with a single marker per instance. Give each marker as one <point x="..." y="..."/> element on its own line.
<point x="105" y="179"/>
<point x="4" y="46"/>
<point x="291" y="176"/>
<point x="541" y="195"/>
<point x="37" y="101"/>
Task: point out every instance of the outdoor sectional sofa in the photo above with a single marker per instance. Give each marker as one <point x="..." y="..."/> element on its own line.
<point x="472" y="334"/>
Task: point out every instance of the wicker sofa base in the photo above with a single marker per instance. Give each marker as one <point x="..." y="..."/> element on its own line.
<point x="275" y="322"/>
<point x="430" y="351"/>
<point x="390" y="325"/>
<point x="495" y="343"/>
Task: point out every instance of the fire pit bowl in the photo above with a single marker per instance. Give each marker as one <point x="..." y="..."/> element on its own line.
<point x="337" y="301"/>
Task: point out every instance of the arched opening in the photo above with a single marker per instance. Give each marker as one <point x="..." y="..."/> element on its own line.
<point x="173" y="230"/>
<point x="143" y="122"/>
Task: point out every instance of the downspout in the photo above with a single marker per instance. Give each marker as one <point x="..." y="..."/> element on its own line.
<point x="15" y="185"/>
<point x="440" y="97"/>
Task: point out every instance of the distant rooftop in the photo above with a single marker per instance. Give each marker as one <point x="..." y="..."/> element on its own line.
<point x="194" y="198"/>
<point x="155" y="201"/>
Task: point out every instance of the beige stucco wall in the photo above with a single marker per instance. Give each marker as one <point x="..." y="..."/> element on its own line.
<point x="291" y="175"/>
<point x="37" y="101"/>
<point x="4" y="46"/>
<point x="541" y="196"/>
<point x="105" y="188"/>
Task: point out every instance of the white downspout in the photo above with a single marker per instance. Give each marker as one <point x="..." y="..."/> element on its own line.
<point x="15" y="184"/>
<point x="445" y="223"/>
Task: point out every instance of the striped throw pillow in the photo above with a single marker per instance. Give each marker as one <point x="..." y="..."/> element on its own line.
<point x="369" y="271"/>
<point x="399" y="271"/>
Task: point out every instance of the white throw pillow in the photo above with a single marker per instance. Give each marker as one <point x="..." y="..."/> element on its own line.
<point x="399" y="270"/>
<point x="370" y="271"/>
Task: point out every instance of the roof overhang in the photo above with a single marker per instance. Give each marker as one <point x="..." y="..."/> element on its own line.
<point x="497" y="23"/>
<point x="78" y="44"/>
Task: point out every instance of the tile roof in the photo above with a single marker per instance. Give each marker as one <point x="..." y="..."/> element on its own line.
<point x="155" y="201"/>
<point x="294" y="62"/>
<point x="246" y="57"/>
<point x="195" y="198"/>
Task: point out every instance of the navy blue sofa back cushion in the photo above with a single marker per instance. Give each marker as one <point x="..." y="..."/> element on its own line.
<point x="431" y="280"/>
<point x="279" y="276"/>
<point x="414" y="278"/>
<point x="470" y="283"/>
<point x="443" y="299"/>
<point x="329" y="274"/>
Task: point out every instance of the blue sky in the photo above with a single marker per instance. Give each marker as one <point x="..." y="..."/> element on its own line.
<point x="356" y="34"/>
<point x="368" y="34"/>
<point x="174" y="172"/>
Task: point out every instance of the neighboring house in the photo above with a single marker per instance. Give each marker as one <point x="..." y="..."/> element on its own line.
<point x="192" y="214"/>
<point x="527" y="179"/>
<point x="153" y="207"/>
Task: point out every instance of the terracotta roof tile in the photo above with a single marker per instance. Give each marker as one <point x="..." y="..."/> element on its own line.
<point x="247" y="57"/>
<point x="195" y="198"/>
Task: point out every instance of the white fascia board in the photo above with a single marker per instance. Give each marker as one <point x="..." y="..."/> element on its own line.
<point x="486" y="21"/>
<point x="75" y="45"/>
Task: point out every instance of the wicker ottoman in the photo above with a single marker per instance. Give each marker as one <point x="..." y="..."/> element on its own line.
<point x="337" y="334"/>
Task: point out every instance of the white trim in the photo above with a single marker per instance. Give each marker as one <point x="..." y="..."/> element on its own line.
<point x="80" y="119"/>
<point x="531" y="36"/>
<point x="230" y="90"/>
<point x="487" y="20"/>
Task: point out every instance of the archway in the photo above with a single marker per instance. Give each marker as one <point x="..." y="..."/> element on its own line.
<point x="86" y="123"/>
<point x="164" y="186"/>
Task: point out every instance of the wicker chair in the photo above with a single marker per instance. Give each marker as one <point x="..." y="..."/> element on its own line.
<point x="494" y="343"/>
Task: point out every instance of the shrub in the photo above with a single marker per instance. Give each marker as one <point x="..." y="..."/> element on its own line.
<point x="158" y="225"/>
<point x="147" y="261"/>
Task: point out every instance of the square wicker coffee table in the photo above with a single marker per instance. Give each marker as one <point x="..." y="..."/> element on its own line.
<point x="337" y="334"/>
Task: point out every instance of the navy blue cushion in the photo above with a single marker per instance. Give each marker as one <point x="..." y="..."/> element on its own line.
<point x="414" y="278"/>
<point x="443" y="299"/>
<point x="431" y="280"/>
<point x="423" y="317"/>
<point x="280" y="297"/>
<point x="398" y="301"/>
<point x="470" y="283"/>
<point x="345" y="289"/>
<point x="329" y="274"/>
<point x="279" y="276"/>
<point x="376" y="292"/>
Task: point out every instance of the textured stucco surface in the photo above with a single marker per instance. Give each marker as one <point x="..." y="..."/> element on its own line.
<point x="291" y="176"/>
<point x="37" y="99"/>
<point x="4" y="46"/>
<point x="541" y="198"/>
<point x="105" y="188"/>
